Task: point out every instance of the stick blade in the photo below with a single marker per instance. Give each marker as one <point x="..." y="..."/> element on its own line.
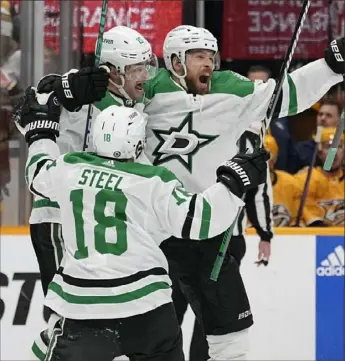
<point x="330" y="159"/>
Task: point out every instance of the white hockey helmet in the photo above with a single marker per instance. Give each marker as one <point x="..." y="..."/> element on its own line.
<point x="123" y="46"/>
<point x="130" y="53"/>
<point x="184" y="38"/>
<point x="119" y="133"/>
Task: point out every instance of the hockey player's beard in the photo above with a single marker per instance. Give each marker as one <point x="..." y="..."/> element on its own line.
<point x="195" y="86"/>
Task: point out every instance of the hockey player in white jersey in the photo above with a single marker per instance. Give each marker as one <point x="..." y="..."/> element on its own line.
<point x="195" y="117"/>
<point x="133" y="64"/>
<point x="112" y="290"/>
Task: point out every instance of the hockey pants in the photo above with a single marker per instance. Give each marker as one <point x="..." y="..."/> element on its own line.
<point x="231" y="344"/>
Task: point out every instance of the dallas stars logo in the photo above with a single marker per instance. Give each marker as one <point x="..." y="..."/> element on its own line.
<point x="180" y="143"/>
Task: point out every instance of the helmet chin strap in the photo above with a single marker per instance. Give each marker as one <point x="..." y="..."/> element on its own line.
<point x="121" y="87"/>
<point x="181" y="77"/>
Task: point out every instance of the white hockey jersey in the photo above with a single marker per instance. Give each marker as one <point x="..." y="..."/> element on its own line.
<point x="71" y="139"/>
<point x="114" y="215"/>
<point x="192" y="134"/>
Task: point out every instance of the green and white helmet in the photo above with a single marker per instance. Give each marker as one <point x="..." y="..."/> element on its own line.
<point x="119" y="133"/>
<point x="130" y="53"/>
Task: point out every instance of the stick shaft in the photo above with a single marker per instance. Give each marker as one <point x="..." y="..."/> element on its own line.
<point x="98" y="56"/>
<point x="335" y="143"/>
<point x="307" y="181"/>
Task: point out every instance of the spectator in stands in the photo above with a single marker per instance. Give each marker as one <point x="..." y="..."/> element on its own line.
<point x="327" y="116"/>
<point x="325" y="198"/>
<point x="288" y="159"/>
<point x="286" y="190"/>
<point x="258" y="72"/>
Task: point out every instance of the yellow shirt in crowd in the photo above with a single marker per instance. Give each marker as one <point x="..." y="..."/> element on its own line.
<point x="286" y="197"/>
<point x="325" y="200"/>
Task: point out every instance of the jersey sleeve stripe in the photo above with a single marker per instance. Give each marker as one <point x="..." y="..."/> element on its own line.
<point x="39" y="166"/>
<point x="205" y="220"/>
<point x="41" y="203"/>
<point x="187" y="226"/>
<point x="35" y="159"/>
<point x="293" y="105"/>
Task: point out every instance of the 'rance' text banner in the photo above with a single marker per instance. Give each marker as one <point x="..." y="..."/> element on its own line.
<point x="262" y="29"/>
<point x="151" y="18"/>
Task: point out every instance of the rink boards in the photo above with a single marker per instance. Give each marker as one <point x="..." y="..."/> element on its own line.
<point x="297" y="301"/>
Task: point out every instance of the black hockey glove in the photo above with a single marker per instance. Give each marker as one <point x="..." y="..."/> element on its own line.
<point x="46" y="84"/>
<point x="335" y="55"/>
<point x="75" y="89"/>
<point x="244" y="172"/>
<point x="37" y="121"/>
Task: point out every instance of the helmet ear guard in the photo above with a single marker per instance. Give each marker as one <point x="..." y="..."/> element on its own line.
<point x="106" y="67"/>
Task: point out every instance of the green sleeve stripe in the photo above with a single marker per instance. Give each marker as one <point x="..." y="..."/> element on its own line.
<point x="206" y="220"/>
<point x="96" y="300"/>
<point x="37" y="352"/>
<point x="45" y="203"/>
<point x="293" y="105"/>
<point x="36" y="158"/>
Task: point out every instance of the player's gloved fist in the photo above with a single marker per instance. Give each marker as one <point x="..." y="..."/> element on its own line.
<point x="37" y="116"/>
<point x="335" y="55"/>
<point x="244" y="172"/>
<point x="77" y="88"/>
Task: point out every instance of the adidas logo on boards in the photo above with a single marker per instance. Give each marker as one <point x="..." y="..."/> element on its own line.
<point x="333" y="265"/>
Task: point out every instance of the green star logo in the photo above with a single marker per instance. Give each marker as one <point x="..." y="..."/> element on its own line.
<point x="180" y="143"/>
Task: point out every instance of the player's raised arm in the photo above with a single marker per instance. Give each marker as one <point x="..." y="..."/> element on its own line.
<point x="38" y="120"/>
<point x="301" y="89"/>
<point x="207" y="214"/>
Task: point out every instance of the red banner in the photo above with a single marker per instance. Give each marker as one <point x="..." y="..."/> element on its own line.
<point x="151" y="18"/>
<point x="262" y="29"/>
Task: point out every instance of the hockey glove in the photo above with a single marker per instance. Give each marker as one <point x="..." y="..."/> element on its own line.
<point x="335" y="55"/>
<point x="244" y="172"/>
<point x="37" y="120"/>
<point x="46" y="84"/>
<point x="77" y="88"/>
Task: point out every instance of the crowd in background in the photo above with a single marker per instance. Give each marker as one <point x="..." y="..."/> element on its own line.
<point x="291" y="140"/>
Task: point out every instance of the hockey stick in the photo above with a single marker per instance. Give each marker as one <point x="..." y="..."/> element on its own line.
<point x="307" y="181"/>
<point x="335" y="143"/>
<point x="98" y="56"/>
<point x="270" y="111"/>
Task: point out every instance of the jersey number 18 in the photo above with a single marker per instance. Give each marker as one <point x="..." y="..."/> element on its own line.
<point x="102" y="198"/>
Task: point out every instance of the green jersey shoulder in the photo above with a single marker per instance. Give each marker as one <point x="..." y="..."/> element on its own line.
<point x="222" y="82"/>
<point x="137" y="169"/>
